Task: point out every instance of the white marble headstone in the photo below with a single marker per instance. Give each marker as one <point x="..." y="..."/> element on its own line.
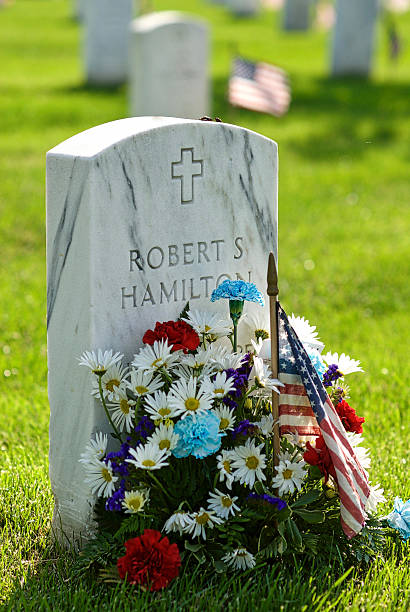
<point x="106" y="40"/>
<point x="143" y="215"/>
<point x="296" y="14"/>
<point x="244" y="7"/>
<point x="169" y="54"/>
<point x="353" y="36"/>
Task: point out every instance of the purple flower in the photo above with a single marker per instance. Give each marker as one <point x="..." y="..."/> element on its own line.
<point x="114" y="503"/>
<point x="240" y="381"/>
<point x="331" y="374"/>
<point x="244" y="428"/>
<point x="144" y="427"/>
<point x="274" y="501"/>
<point x="118" y="460"/>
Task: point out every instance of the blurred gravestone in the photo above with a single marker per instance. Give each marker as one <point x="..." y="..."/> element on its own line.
<point x="106" y="40"/>
<point x="296" y="14"/>
<point x="243" y="7"/>
<point x="143" y="214"/>
<point x="79" y="9"/>
<point x="169" y="66"/>
<point x="353" y="36"/>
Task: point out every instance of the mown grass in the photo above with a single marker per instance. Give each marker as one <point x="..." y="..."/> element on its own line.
<point x="344" y="254"/>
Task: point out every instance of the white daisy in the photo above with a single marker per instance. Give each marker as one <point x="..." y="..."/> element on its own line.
<point x="248" y="463"/>
<point x="134" y="501"/>
<point x="158" y="407"/>
<point x="164" y="437"/>
<point x="376" y="497"/>
<point x="225" y="468"/>
<point x="122" y="411"/>
<point x="223" y="504"/>
<point x="257" y="324"/>
<point x="240" y="559"/>
<point x="148" y="457"/>
<point x="290" y="476"/>
<point x="209" y="323"/>
<point x="260" y="377"/>
<point x="225" y="360"/>
<point x="95" y="449"/>
<point x="142" y="383"/>
<point x="293" y="457"/>
<point x="101" y="478"/>
<point x="220" y="386"/>
<point x="266" y="424"/>
<point x="306" y="333"/>
<point x="345" y="364"/>
<point x="362" y="454"/>
<point x="110" y="382"/>
<point x="177" y="522"/>
<point x="155" y="357"/>
<point x="226" y="418"/>
<point x="185" y="398"/>
<point x="99" y="362"/>
<point x="200" y="521"/>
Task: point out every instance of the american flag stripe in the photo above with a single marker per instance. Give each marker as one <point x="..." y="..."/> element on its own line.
<point x="302" y="382"/>
<point x="259" y="86"/>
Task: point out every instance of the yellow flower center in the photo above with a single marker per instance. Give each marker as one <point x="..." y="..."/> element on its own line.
<point x="106" y="475"/>
<point x="202" y="519"/>
<point x="114" y="382"/>
<point x="287" y="474"/>
<point x="227" y="466"/>
<point x="226" y="501"/>
<point x="148" y="463"/>
<point x="223" y="424"/>
<point x="241" y="553"/>
<point x="157" y="363"/>
<point x="252" y="462"/>
<point x="207" y="328"/>
<point x="261" y="333"/>
<point x="136" y="503"/>
<point x="141" y="390"/>
<point x="164" y="412"/>
<point x="191" y="404"/>
<point x="220" y="391"/>
<point x="124" y="406"/>
<point x="164" y="444"/>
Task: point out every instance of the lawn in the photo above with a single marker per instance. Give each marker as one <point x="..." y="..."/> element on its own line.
<point x="344" y="262"/>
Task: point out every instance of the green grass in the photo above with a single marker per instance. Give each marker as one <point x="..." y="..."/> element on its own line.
<point x="344" y="253"/>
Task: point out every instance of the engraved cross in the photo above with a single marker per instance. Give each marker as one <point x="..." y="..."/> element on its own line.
<point x="186" y="169"/>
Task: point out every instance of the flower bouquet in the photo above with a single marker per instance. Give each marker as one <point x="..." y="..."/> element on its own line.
<point x="189" y="474"/>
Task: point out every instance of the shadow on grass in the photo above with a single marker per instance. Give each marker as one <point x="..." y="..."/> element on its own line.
<point x="339" y="115"/>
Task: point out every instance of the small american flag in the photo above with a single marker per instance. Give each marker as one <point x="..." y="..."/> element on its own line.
<point x="260" y="87"/>
<point x="305" y="408"/>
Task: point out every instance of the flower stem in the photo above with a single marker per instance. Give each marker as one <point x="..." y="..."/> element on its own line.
<point x="117" y="433"/>
<point x="157" y="482"/>
<point x="235" y="336"/>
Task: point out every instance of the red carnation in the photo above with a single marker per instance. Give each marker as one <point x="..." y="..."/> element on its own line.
<point x="179" y="334"/>
<point x="350" y="420"/>
<point x="320" y="456"/>
<point x="149" y="560"/>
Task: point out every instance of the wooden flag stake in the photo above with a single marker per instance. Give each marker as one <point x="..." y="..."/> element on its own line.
<point x="273" y="293"/>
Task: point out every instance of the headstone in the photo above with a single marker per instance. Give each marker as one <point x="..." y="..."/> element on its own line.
<point x="353" y="36"/>
<point x="169" y="66"/>
<point x="296" y="15"/>
<point x="143" y="215"/>
<point x="106" y="41"/>
<point x="244" y="7"/>
<point x="79" y="9"/>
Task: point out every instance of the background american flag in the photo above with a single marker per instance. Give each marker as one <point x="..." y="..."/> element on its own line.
<point x="305" y="408"/>
<point x="260" y="87"/>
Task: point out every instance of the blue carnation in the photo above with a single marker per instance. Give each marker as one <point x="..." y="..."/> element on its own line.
<point x="238" y="290"/>
<point x="400" y="517"/>
<point x="198" y="436"/>
<point x="317" y="361"/>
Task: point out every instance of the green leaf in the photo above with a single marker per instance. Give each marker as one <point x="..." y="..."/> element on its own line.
<point x="193" y="547"/>
<point x="311" y="516"/>
<point x="185" y="311"/>
<point x="307" y="498"/>
<point x="315" y="473"/>
<point x="294" y="535"/>
<point x="220" y="566"/>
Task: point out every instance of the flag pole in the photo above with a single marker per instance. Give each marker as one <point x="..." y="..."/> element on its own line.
<point x="273" y="293"/>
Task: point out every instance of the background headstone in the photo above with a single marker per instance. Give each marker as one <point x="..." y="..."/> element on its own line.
<point x="169" y="54"/>
<point x="79" y="9"/>
<point x="244" y="7"/>
<point x="353" y="36"/>
<point x="296" y="14"/>
<point x="143" y="214"/>
<point x="106" y="40"/>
